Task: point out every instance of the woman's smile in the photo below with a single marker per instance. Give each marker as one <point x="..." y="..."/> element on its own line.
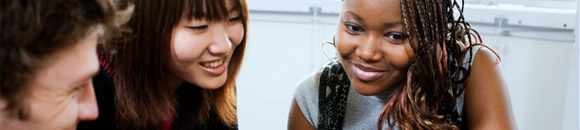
<point x="215" y="67"/>
<point x="367" y="73"/>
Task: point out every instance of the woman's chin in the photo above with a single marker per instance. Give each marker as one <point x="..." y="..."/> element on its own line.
<point x="211" y="86"/>
<point x="212" y="83"/>
<point x="365" y="89"/>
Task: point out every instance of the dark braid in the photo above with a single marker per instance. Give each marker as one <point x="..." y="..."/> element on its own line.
<point x="432" y="86"/>
<point x="403" y="9"/>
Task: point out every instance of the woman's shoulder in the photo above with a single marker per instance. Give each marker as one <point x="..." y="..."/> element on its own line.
<point x="486" y="55"/>
<point x="306" y="93"/>
<point x="309" y="84"/>
<point x="306" y="96"/>
<point x="486" y="93"/>
<point x="481" y="53"/>
<point x="485" y="67"/>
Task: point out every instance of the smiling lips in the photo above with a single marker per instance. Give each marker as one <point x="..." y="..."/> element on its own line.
<point x="213" y="64"/>
<point x="366" y="73"/>
<point x="215" y="68"/>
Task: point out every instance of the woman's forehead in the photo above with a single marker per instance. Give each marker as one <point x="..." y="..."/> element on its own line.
<point x="373" y="10"/>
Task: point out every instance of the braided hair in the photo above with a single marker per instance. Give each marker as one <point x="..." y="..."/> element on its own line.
<point x="432" y="85"/>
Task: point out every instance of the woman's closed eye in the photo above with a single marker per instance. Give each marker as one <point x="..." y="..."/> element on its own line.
<point x="235" y="19"/>
<point x="198" y="28"/>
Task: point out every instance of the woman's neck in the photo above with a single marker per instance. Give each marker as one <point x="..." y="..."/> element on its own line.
<point x="387" y="93"/>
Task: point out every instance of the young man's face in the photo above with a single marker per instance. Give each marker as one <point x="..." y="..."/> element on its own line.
<point x="61" y="94"/>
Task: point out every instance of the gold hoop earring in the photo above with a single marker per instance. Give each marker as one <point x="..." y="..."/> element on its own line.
<point x="324" y="52"/>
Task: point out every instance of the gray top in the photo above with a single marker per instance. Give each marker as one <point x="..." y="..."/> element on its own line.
<point x="362" y="112"/>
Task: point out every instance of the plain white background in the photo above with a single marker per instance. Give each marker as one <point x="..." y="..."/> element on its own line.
<point x="539" y="63"/>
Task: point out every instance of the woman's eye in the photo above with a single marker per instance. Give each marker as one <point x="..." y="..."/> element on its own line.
<point x="198" y="28"/>
<point x="396" y="36"/>
<point x="353" y="27"/>
<point x="234" y="19"/>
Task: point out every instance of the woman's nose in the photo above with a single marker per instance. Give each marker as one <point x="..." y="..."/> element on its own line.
<point x="88" y="109"/>
<point x="221" y="43"/>
<point x="369" y="49"/>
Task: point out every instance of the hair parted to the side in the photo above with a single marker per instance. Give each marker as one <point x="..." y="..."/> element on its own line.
<point x="141" y="62"/>
<point x="34" y="30"/>
<point x="431" y="87"/>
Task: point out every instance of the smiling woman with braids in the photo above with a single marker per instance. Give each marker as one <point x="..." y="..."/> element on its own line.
<point x="404" y="64"/>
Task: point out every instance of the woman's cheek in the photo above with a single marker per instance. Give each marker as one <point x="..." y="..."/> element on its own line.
<point x="236" y="33"/>
<point x="185" y="47"/>
<point x="400" y="56"/>
<point x="345" y="45"/>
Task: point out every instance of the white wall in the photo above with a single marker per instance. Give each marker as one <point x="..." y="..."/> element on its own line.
<point x="278" y="55"/>
<point x="571" y="121"/>
<point x="536" y="72"/>
<point x="284" y="46"/>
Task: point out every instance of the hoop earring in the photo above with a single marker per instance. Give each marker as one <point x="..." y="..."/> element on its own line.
<point x="324" y="52"/>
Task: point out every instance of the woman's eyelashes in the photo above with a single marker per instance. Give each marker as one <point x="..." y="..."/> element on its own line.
<point x="235" y="19"/>
<point x="395" y="37"/>
<point x="198" y="28"/>
<point x="203" y="27"/>
<point x="353" y="28"/>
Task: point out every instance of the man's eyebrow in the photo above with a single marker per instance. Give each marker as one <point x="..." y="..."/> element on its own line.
<point x="83" y="79"/>
<point x="93" y="74"/>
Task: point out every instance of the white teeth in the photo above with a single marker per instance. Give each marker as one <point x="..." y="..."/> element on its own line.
<point x="213" y="64"/>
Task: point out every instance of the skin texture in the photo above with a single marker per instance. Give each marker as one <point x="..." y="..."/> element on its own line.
<point x="487" y="105"/>
<point x="62" y="93"/>
<point x="197" y="41"/>
<point x="296" y="119"/>
<point x="368" y="36"/>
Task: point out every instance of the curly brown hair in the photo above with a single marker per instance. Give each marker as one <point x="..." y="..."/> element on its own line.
<point x="34" y="30"/>
<point x="433" y="81"/>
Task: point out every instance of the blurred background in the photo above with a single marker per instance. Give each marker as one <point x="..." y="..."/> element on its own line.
<point x="536" y="39"/>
